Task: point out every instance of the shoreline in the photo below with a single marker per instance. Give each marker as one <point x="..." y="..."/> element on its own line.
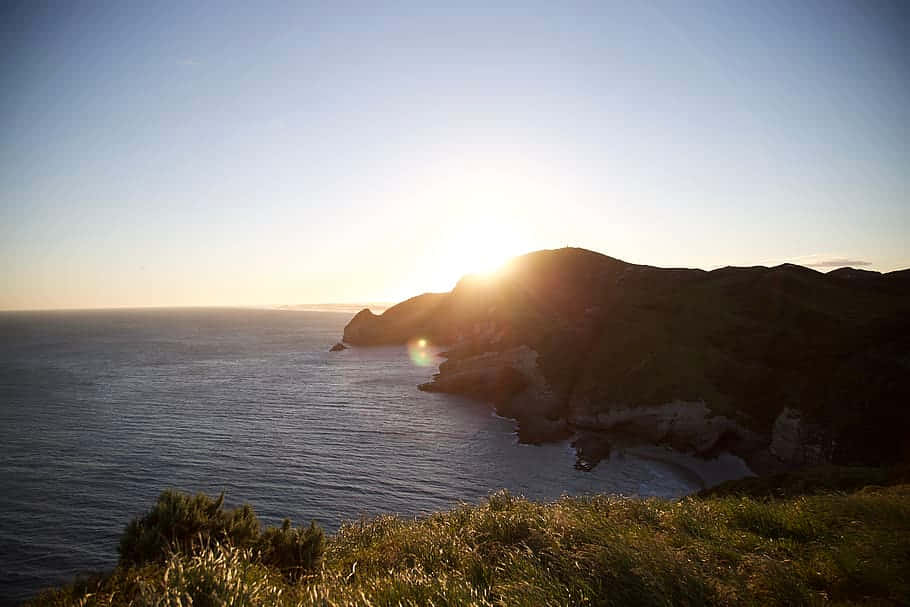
<point x="706" y="472"/>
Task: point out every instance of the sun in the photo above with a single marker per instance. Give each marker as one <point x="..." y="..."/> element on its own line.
<point x="480" y="252"/>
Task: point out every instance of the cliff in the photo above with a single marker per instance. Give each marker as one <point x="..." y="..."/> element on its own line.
<point x="781" y="365"/>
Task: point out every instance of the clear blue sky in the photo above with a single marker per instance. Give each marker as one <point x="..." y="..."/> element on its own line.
<point x="218" y="153"/>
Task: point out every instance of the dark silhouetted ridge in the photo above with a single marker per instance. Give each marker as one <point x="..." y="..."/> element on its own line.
<point x="782" y="364"/>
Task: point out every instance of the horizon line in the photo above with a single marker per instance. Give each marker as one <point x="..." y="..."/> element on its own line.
<point x="236" y="306"/>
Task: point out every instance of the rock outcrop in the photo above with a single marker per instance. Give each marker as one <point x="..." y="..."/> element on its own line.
<point x="396" y="325"/>
<point x="513" y="382"/>
<point x="780" y="364"/>
<point x="794" y="440"/>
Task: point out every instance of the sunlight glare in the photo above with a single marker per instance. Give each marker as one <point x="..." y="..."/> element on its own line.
<point x="481" y="251"/>
<point x="418" y="352"/>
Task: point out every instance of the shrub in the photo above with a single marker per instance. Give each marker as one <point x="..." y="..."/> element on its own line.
<point x="182" y="523"/>
<point x="293" y="551"/>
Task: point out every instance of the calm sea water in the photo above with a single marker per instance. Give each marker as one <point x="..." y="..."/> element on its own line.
<point x="100" y="411"/>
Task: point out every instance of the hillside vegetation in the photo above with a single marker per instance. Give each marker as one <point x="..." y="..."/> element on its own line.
<point x="601" y="550"/>
<point x="829" y="354"/>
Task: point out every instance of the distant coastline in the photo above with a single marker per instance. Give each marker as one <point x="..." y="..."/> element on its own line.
<point x="347" y="308"/>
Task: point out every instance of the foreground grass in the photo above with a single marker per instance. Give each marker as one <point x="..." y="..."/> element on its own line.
<point x="723" y="550"/>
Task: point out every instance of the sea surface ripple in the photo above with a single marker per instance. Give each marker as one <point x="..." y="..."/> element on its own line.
<point x="102" y="410"/>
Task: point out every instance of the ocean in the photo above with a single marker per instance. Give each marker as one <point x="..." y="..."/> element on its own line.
<point x="102" y="410"/>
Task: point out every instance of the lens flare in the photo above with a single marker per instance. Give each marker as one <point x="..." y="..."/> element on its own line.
<point x="419" y="352"/>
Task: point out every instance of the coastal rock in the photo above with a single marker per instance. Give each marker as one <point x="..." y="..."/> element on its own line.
<point x="590" y="449"/>
<point x="357" y="330"/>
<point x="688" y="427"/>
<point x="511" y="380"/>
<point x="338" y="347"/>
<point x="795" y="441"/>
<point x="484" y="377"/>
<point x="413" y="318"/>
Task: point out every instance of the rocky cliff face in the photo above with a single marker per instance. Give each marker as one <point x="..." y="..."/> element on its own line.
<point x="778" y="364"/>
<point x="794" y="440"/>
<point x="512" y="380"/>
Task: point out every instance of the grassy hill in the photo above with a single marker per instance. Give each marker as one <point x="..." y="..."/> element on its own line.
<point x="722" y="549"/>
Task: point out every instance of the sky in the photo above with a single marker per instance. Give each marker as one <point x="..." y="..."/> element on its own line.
<point x="216" y="153"/>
